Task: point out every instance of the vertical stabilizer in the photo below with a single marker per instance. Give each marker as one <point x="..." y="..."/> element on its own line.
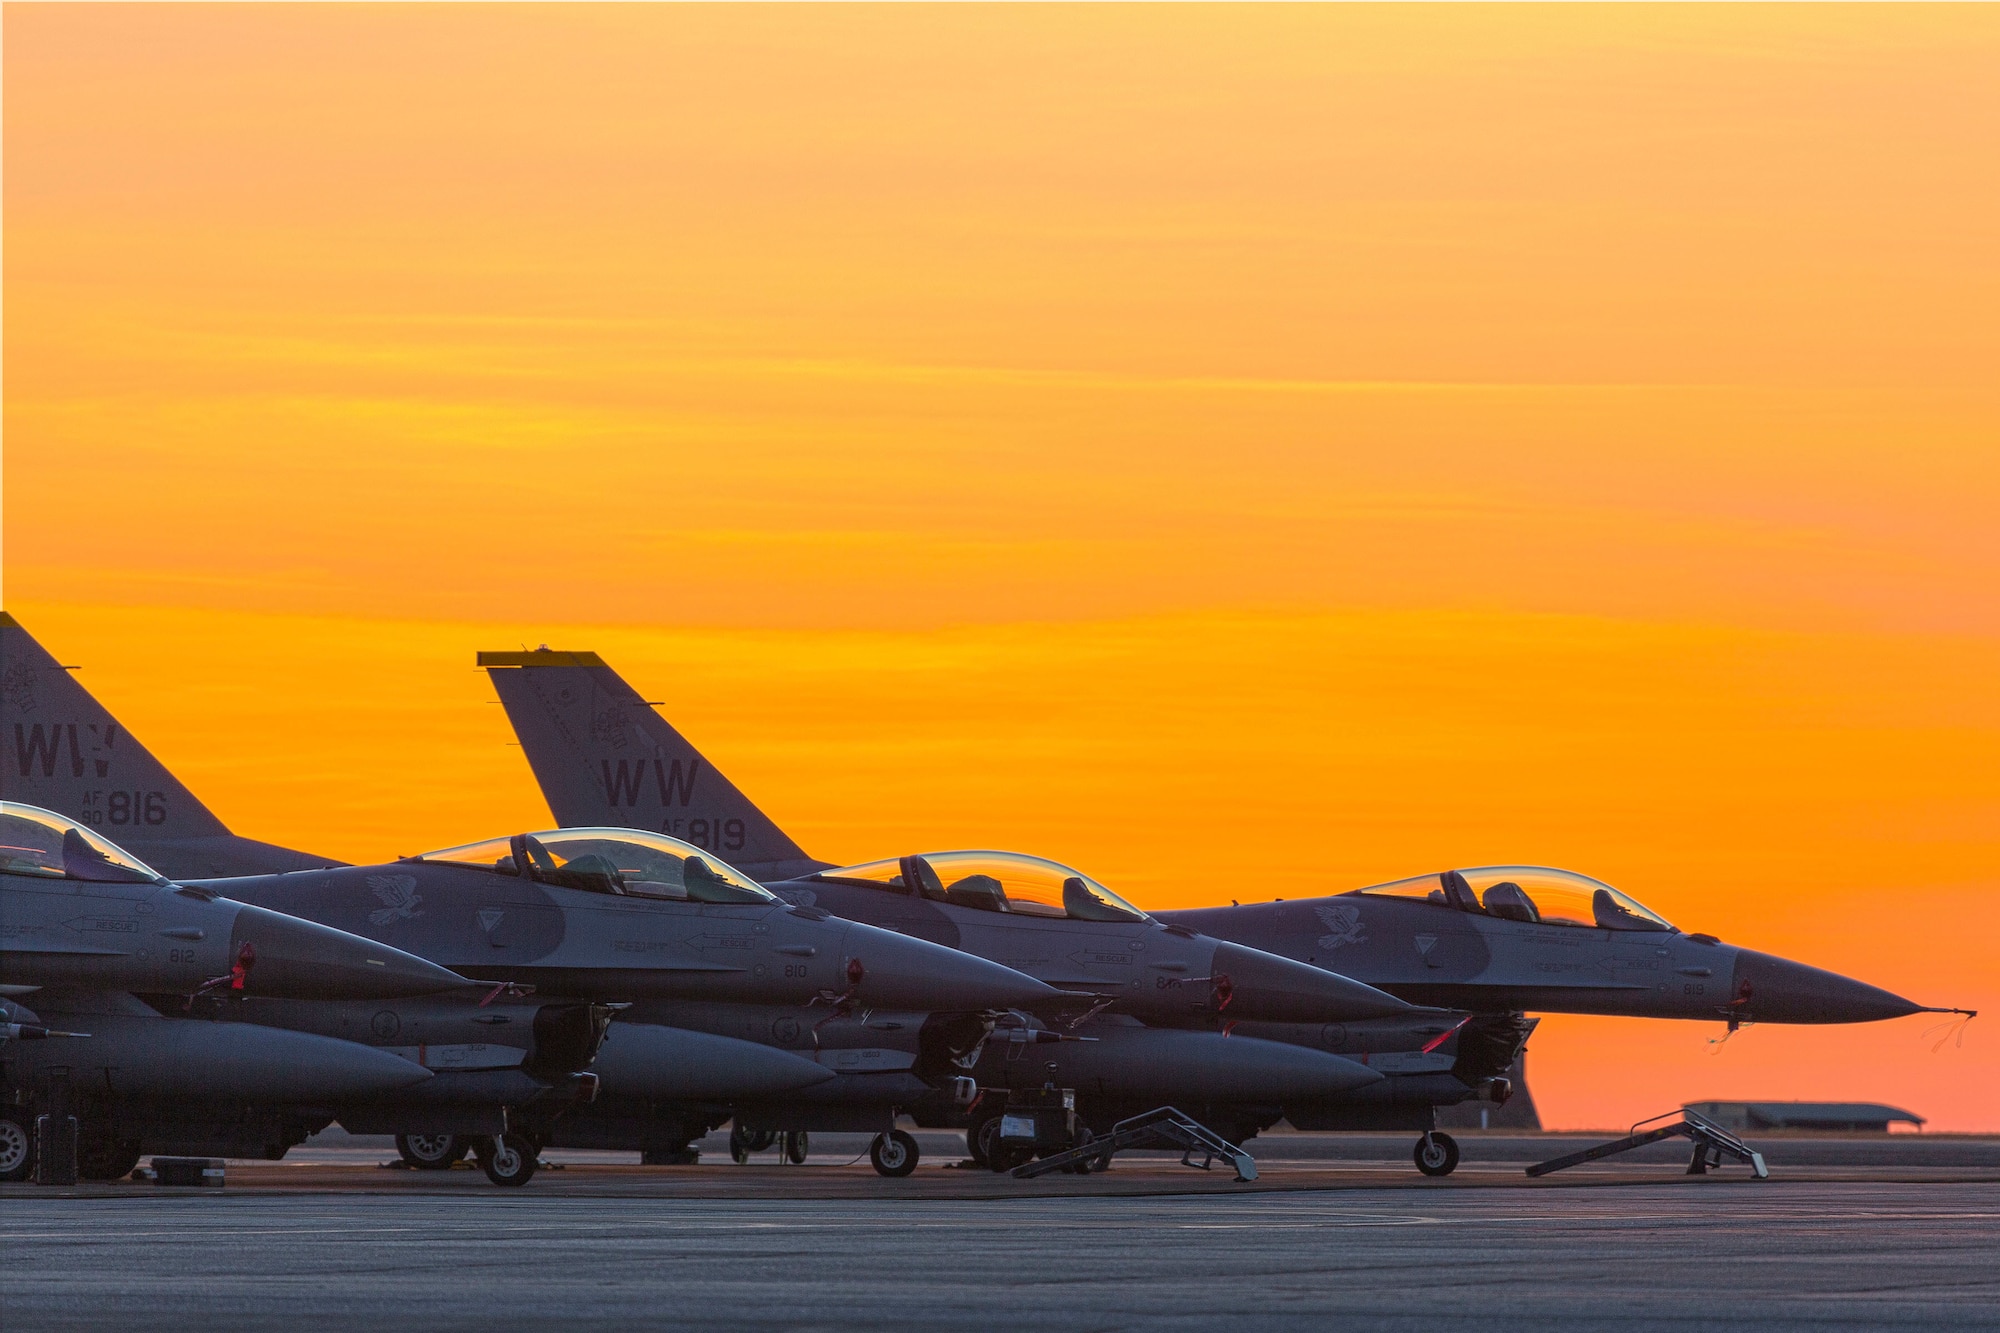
<point x="604" y="757"/>
<point x="62" y="750"/>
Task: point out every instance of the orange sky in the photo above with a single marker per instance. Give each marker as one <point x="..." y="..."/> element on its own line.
<point x="1238" y="451"/>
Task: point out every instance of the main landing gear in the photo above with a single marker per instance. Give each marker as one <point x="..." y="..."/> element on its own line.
<point x="792" y="1144"/>
<point x="1436" y="1154"/>
<point x="432" y="1152"/>
<point x="17" y="1145"/>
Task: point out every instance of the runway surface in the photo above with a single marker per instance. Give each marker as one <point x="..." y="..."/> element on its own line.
<point x="1877" y="1235"/>
<point x="1707" y="1254"/>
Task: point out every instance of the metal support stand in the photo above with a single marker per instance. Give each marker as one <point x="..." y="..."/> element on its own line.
<point x="1712" y="1143"/>
<point x="1163" y="1128"/>
<point x="55" y="1135"/>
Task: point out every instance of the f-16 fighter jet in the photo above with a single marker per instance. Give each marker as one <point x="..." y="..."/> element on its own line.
<point x="1167" y="997"/>
<point x="85" y="928"/>
<point x="78" y="912"/>
<point x="1497" y="941"/>
<point x="1034" y="915"/>
<point x="1491" y="939"/>
<point x="617" y="918"/>
<point x="1530" y="937"/>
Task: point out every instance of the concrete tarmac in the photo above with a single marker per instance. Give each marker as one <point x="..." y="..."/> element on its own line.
<point x="1854" y="1233"/>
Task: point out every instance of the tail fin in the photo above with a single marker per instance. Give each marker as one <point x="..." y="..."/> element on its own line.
<point x="604" y="757"/>
<point x="62" y="750"/>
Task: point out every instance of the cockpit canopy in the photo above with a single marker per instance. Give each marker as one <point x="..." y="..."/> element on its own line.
<point x="1528" y="893"/>
<point x="39" y="842"/>
<point x="994" y="882"/>
<point x="624" y="861"/>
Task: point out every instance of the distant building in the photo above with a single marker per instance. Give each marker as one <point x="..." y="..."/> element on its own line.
<point x="1862" y="1117"/>
<point x="1518" y="1112"/>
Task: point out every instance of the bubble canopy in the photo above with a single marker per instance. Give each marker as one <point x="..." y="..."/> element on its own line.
<point x="39" y="842"/>
<point x="627" y="862"/>
<point x="1538" y="894"/>
<point x="994" y="882"/>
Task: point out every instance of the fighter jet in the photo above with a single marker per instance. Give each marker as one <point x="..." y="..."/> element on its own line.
<point x="1527" y="939"/>
<point x="624" y="915"/>
<point x="601" y="754"/>
<point x="1492" y="939"/>
<point x="78" y="912"/>
<point x="85" y="928"/>
<point x="573" y="714"/>
<point x="581" y="919"/>
<point x="1496" y="938"/>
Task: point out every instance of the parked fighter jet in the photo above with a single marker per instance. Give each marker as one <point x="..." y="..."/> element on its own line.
<point x="81" y="913"/>
<point x="627" y="916"/>
<point x="662" y="925"/>
<point x="85" y="927"/>
<point x="573" y="713"/>
<point x="1492" y="939"/>
<point x="600" y="754"/>
<point x="618" y="914"/>
<point x="1530" y="937"/>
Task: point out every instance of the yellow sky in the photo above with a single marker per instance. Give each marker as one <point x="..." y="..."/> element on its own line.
<point x="1231" y="449"/>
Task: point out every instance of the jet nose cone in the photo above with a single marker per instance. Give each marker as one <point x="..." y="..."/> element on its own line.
<point x="648" y="1060"/>
<point x="1777" y="990"/>
<point x="1265" y="987"/>
<point x="898" y="972"/>
<point x="303" y="960"/>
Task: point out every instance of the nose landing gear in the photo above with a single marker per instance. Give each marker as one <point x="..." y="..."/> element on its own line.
<point x="508" y="1159"/>
<point x="1436" y="1154"/>
<point x="893" y="1154"/>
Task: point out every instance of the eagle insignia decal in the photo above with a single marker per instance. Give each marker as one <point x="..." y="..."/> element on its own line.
<point x="1343" y="924"/>
<point x="399" y="898"/>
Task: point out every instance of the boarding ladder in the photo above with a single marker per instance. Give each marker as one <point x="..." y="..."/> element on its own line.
<point x="1712" y="1143"/>
<point x="1163" y="1128"/>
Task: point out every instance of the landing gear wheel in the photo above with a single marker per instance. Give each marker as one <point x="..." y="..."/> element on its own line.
<point x="1436" y="1154"/>
<point x="980" y="1138"/>
<point x="794" y="1147"/>
<point x="100" y="1156"/>
<point x="893" y="1154"/>
<point x="509" y="1159"/>
<point x="432" y="1152"/>
<point x="17" y="1147"/>
<point x="743" y="1142"/>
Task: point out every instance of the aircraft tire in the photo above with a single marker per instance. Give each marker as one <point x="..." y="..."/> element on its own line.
<point x="17" y="1147"/>
<point x="979" y="1140"/>
<point x="432" y="1152"/>
<point x="743" y="1142"/>
<point x="893" y="1154"/>
<point x="1436" y="1154"/>
<point x="511" y="1160"/>
<point x="795" y="1146"/>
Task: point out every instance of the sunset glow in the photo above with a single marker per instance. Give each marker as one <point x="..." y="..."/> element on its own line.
<point x="1242" y="452"/>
